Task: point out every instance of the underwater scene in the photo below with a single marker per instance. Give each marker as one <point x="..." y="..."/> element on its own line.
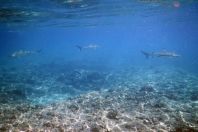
<point x="98" y="66"/>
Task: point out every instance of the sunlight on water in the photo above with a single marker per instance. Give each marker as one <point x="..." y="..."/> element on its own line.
<point x="70" y="12"/>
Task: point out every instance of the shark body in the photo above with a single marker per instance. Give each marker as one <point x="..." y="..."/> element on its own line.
<point x="22" y="53"/>
<point x="160" y="54"/>
<point x="91" y="46"/>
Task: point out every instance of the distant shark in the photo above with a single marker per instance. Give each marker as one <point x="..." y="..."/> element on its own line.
<point x="160" y="54"/>
<point x="91" y="46"/>
<point x="22" y="53"/>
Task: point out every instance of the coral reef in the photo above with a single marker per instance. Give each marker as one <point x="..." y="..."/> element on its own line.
<point x="81" y="100"/>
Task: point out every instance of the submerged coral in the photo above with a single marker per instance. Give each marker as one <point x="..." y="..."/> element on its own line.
<point x="57" y="101"/>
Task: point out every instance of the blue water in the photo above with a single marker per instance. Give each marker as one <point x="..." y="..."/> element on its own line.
<point x="152" y="26"/>
<point x="121" y="29"/>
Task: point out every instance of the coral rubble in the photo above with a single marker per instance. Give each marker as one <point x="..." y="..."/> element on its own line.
<point x="116" y="101"/>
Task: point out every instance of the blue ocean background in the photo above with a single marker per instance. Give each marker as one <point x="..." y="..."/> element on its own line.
<point x="121" y="37"/>
<point x="121" y="29"/>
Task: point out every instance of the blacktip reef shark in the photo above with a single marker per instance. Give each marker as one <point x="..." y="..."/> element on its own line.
<point x="160" y="54"/>
<point x="91" y="46"/>
<point x="22" y="53"/>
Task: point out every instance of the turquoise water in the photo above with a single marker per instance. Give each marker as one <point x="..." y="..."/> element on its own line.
<point x="98" y="66"/>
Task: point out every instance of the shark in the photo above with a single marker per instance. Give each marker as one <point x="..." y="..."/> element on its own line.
<point x="22" y="53"/>
<point x="91" y="46"/>
<point x="166" y="54"/>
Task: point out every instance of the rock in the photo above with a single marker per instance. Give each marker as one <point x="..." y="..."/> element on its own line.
<point x="48" y="124"/>
<point x="24" y="126"/>
<point x="194" y="96"/>
<point x="30" y="81"/>
<point x="4" y="98"/>
<point x="3" y="128"/>
<point x="18" y="92"/>
<point x="75" y="76"/>
<point x="95" y="128"/>
<point x="73" y="107"/>
<point x="134" y="126"/>
<point x="60" y="129"/>
<point x="93" y="76"/>
<point x="147" y="88"/>
<point x="172" y="96"/>
<point x="160" y="104"/>
<point x="116" y="129"/>
<point x="61" y="79"/>
<point x="112" y="114"/>
<point x="185" y="129"/>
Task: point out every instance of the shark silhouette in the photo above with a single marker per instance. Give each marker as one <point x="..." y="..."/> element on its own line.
<point x="91" y="46"/>
<point x="160" y="54"/>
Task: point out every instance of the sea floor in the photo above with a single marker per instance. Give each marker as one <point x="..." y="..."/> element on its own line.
<point x="71" y="98"/>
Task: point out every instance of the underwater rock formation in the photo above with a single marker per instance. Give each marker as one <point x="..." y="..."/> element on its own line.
<point x="85" y="80"/>
<point x="194" y="96"/>
<point x="147" y="88"/>
<point x="112" y="114"/>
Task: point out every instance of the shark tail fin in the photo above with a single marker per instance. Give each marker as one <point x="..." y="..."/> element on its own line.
<point x="79" y="47"/>
<point x="147" y="55"/>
